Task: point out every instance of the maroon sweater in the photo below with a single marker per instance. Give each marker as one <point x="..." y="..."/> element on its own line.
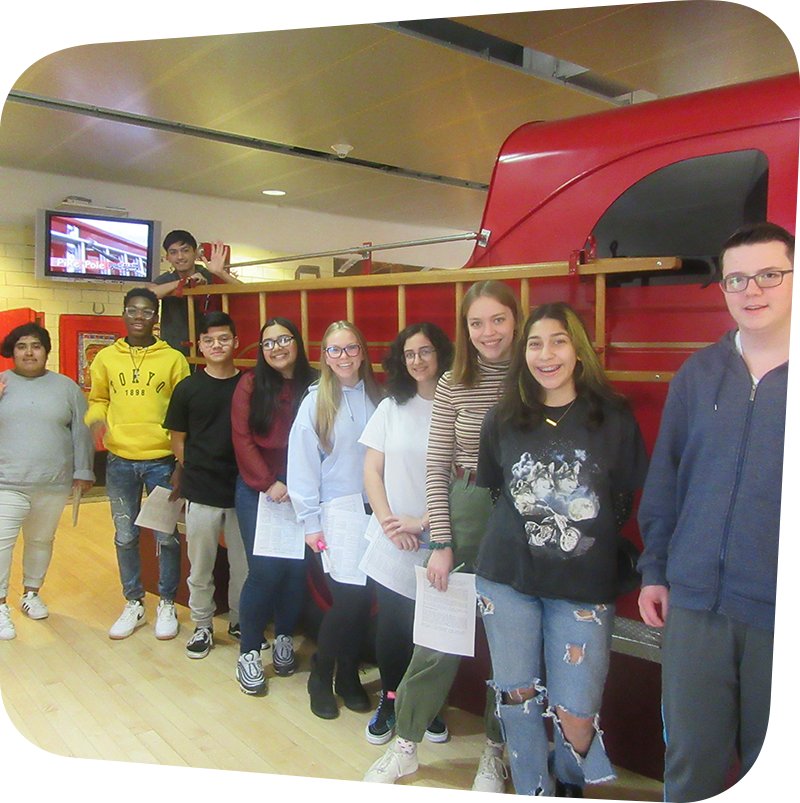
<point x="261" y="458"/>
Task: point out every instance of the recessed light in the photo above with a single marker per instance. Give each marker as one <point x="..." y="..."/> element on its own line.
<point x="273" y="192"/>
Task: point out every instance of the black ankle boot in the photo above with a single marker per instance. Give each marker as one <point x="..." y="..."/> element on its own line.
<point x="323" y="703"/>
<point x="568" y="789"/>
<point x="349" y="688"/>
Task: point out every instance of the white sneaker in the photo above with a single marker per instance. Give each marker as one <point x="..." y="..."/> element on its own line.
<point x="31" y="605"/>
<point x="492" y="772"/>
<point x="132" y="616"/>
<point x="7" y="629"/>
<point x="393" y="765"/>
<point x="166" y="620"/>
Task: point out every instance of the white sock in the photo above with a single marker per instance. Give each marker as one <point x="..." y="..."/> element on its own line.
<point x="405" y="746"/>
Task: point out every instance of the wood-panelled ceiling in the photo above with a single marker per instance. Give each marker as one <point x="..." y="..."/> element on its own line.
<point x="394" y="98"/>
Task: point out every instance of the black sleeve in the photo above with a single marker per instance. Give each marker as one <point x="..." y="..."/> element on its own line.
<point x="177" y="417"/>
<point x="490" y="472"/>
<point x="630" y="470"/>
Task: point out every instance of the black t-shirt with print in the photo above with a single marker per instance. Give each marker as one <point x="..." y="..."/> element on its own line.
<point x="553" y="532"/>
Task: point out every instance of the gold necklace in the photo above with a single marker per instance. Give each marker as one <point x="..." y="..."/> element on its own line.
<point x="561" y="418"/>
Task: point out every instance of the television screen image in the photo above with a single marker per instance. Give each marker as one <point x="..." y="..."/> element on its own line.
<point x="105" y="247"/>
<point x="93" y="247"/>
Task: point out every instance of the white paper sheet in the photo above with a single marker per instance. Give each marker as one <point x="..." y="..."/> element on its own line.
<point x="343" y="526"/>
<point x="278" y="533"/>
<point x="158" y="513"/>
<point x="445" y="620"/>
<point x="393" y="568"/>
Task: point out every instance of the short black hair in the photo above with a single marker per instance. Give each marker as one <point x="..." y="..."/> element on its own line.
<point x="215" y="318"/>
<point x="754" y="233"/>
<point x="25" y="329"/>
<point x="144" y="292"/>
<point x="179" y="236"/>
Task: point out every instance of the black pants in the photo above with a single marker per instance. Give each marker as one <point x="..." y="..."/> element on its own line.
<point x="394" y="644"/>
<point x="344" y="625"/>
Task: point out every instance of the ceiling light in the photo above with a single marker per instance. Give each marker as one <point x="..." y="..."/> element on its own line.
<point x="273" y="192"/>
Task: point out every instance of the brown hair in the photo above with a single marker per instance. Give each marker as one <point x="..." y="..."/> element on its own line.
<point x="465" y="362"/>
<point x="522" y="404"/>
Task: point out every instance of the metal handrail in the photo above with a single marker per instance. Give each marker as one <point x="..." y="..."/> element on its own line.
<point x="363" y="249"/>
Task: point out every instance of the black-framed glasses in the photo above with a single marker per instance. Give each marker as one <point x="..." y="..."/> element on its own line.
<point x="336" y="351"/>
<point x="425" y="354"/>
<point x="133" y="312"/>
<point x="269" y="343"/>
<point x="738" y="282"/>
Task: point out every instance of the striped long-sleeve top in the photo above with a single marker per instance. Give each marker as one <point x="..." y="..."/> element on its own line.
<point x="458" y="413"/>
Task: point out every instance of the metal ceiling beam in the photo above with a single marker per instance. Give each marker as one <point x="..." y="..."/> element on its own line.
<point x="213" y="135"/>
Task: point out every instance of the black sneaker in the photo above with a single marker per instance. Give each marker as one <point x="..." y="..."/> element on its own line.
<point x="283" y="660"/>
<point x="201" y="642"/>
<point x="235" y="631"/>
<point x="437" y="730"/>
<point x="381" y="726"/>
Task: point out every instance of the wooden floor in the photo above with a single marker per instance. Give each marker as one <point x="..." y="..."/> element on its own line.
<point x="73" y="692"/>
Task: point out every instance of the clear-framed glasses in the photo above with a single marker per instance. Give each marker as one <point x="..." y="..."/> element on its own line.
<point x="281" y="342"/>
<point x="223" y="340"/>
<point x="336" y="351"/>
<point x="133" y="312"/>
<point x="738" y="282"/>
<point x="425" y="354"/>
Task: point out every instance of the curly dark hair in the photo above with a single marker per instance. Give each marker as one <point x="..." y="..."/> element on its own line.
<point x="400" y="385"/>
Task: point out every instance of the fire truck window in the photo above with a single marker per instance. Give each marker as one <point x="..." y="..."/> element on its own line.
<point x="686" y="209"/>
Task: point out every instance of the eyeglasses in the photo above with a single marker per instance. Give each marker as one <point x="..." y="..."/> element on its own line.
<point x="281" y="341"/>
<point x="425" y="353"/>
<point x="336" y="351"/>
<point x="133" y="312"/>
<point x="738" y="282"/>
<point x="223" y="340"/>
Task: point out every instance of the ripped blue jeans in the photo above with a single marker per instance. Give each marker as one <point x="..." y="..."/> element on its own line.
<point x="561" y="650"/>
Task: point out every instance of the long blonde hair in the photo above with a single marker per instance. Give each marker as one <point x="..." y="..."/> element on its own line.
<point x="329" y="392"/>
<point x="465" y="362"/>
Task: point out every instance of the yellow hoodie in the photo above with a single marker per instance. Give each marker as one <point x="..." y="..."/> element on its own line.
<point x="131" y="389"/>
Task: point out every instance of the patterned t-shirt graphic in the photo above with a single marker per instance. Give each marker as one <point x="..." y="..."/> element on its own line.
<point x="554" y="496"/>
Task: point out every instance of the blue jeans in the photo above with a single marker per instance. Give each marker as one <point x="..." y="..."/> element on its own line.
<point x="124" y="482"/>
<point x="560" y="649"/>
<point x="273" y="584"/>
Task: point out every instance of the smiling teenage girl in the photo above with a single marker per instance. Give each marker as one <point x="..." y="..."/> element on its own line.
<point x="263" y="408"/>
<point x="326" y="461"/>
<point x="458" y="512"/>
<point x="565" y="455"/>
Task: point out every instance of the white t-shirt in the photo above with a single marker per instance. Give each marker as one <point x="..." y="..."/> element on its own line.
<point x="400" y="432"/>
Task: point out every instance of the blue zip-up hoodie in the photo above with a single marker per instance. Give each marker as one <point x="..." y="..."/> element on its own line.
<point x="710" y="511"/>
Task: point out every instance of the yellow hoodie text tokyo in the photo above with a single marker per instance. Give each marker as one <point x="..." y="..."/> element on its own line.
<point x="131" y="389"/>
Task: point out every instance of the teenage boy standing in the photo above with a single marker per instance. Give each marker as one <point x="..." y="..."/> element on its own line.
<point x="183" y="254"/>
<point x="132" y="381"/>
<point x="199" y="422"/>
<point x="709" y="517"/>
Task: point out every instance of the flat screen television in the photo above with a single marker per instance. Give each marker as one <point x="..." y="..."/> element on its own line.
<point x="75" y="246"/>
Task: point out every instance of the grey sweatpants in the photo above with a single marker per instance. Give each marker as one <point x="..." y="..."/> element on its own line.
<point x="716" y="684"/>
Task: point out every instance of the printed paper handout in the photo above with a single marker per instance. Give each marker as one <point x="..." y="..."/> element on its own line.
<point x="158" y="513"/>
<point x="278" y="533"/>
<point x="445" y="620"/>
<point x="393" y="568"/>
<point x="343" y="526"/>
